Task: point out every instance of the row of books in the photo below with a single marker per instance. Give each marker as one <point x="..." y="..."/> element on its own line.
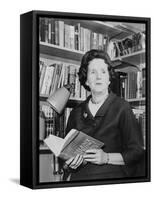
<point x="133" y="85"/>
<point x="58" y="74"/>
<point x="53" y="124"/>
<point x="141" y="118"/>
<point x="74" y="37"/>
<point x="129" y="45"/>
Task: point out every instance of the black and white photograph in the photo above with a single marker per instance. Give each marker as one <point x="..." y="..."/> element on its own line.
<point x="90" y="100"/>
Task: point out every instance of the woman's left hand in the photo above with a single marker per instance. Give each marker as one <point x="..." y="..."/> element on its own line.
<point x="96" y="156"/>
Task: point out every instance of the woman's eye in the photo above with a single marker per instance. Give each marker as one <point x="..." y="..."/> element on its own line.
<point x="103" y="71"/>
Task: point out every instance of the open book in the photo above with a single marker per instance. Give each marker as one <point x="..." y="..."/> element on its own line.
<point x="75" y="142"/>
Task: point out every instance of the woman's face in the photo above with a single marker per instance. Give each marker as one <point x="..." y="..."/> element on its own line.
<point x="98" y="75"/>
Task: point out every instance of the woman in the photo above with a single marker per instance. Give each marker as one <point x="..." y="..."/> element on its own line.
<point x="107" y="118"/>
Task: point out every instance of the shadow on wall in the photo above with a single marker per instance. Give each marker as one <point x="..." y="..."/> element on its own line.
<point x="15" y="180"/>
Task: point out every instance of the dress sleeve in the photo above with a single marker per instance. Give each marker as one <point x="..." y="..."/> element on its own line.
<point x="131" y="136"/>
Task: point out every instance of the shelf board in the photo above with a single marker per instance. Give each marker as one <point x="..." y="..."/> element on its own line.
<point x="136" y="100"/>
<point x="43" y="97"/>
<point x="69" y="54"/>
<point x="43" y="148"/>
<point x="134" y="58"/>
<point x="44" y="151"/>
<point x="62" y="52"/>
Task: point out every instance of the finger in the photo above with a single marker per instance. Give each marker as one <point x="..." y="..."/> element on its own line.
<point x="91" y="160"/>
<point x="87" y="159"/>
<point x="69" y="161"/>
<point x="80" y="160"/>
<point x="90" y="156"/>
<point x="78" y="163"/>
<point x="84" y="162"/>
<point x="73" y="163"/>
<point x="92" y="151"/>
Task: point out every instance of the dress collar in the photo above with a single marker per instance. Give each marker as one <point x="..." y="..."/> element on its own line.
<point x="102" y="110"/>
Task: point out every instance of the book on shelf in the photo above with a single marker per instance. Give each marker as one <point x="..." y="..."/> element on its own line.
<point x="143" y="82"/>
<point x="75" y="37"/>
<point x="54" y="74"/>
<point x="126" y="46"/>
<point x="46" y="79"/>
<point x="75" y="142"/>
<point x="77" y="33"/>
<point x="140" y="115"/>
<point x="132" y="84"/>
<point x="50" y="123"/>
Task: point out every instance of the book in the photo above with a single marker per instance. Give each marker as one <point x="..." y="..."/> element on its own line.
<point x="47" y="80"/>
<point x="49" y="120"/>
<point x="75" y="142"/>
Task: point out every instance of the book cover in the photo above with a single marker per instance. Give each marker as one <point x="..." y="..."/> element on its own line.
<point x="76" y="142"/>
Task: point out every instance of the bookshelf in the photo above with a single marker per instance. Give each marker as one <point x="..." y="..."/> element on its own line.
<point x="86" y="35"/>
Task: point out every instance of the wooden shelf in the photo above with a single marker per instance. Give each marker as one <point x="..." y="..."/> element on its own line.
<point x="62" y="52"/>
<point x="136" y="100"/>
<point x="43" y="97"/>
<point x="133" y="58"/>
<point x="43" y="148"/>
<point x="69" y="54"/>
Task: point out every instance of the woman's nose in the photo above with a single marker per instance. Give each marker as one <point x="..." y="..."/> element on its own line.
<point x="98" y="75"/>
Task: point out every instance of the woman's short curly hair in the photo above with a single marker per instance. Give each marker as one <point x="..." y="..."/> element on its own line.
<point x="89" y="56"/>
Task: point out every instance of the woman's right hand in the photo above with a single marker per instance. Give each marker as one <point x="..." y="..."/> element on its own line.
<point x="74" y="162"/>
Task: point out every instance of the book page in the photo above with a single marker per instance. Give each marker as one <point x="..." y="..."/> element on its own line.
<point x="54" y="143"/>
<point x="70" y="134"/>
<point x="69" y="137"/>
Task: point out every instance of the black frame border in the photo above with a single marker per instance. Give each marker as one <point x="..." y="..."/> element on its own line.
<point x="29" y="98"/>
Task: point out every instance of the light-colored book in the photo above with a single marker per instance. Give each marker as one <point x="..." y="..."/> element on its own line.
<point x="75" y="142"/>
<point x="47" y="80"/>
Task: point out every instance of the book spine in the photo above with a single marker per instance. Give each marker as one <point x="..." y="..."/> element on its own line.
<point x="72" y="37"/>
<point x="66" y="35"/>
<point x="42" y="77"/>
<point x="46" y="30"/>
<point x="53" y="79"/>
<point x="41" y="29"/>
<point x="61" y="33"/>
<point x="77" y="36"/>
<point x="81" y="39"/>
<point x="49" y="31"/>
<point x="52" y="31"/>
<point x="56" y="33"/>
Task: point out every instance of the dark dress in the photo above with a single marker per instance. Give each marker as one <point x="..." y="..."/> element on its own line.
<point x="116" y="126"/>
